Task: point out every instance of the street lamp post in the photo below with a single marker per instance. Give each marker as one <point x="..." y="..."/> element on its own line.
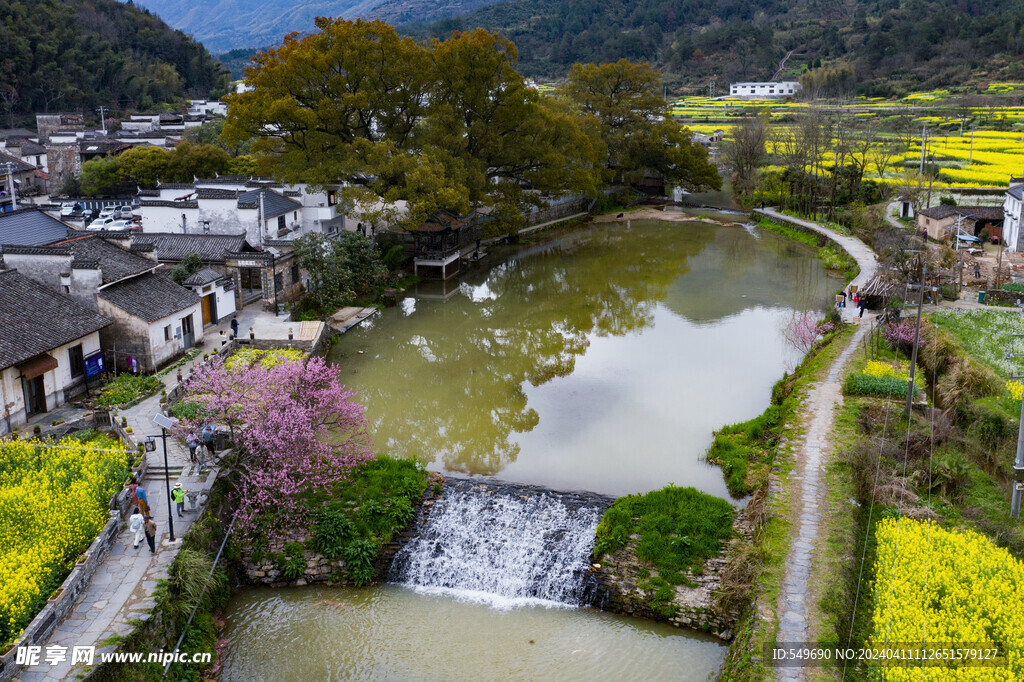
<point x="164" y="423"/>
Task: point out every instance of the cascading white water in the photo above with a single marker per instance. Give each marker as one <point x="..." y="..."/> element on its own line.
<point x="502" y="548"/>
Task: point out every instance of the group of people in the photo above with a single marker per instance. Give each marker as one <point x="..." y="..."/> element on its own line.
<point x="201" y="445"/>
<point x="855" y="297"/>
<point x="141" y="521"/>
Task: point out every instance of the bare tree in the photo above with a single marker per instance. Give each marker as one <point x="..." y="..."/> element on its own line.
<point x="746" y="152"/>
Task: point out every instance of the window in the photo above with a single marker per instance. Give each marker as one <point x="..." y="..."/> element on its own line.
<point x="67" y="289"/>
<point x="278" y="281"/>
<point x="295" y="274"/>
<point x="280" y="222"/>
<point x="295" y="215"/>
<point x="167" y="333"/>
<point x="76" y="360"/>
<point x="332" y="197"/>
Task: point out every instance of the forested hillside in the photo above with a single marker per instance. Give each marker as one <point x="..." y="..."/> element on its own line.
<point x="76" y="55"/>
<point x="891" y="45"/>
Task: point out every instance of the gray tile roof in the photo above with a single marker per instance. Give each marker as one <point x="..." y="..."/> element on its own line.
<point x="274" y="204"/>
<point x="1016" y="192"/>
<point x="31" y="227"/>
<point x="977" y="212"/>
<point x="202" y="277"/>
<point x="37" y="319"/>
<point x="18" y="166"/>
<point x="150" y="297"/>
<point x="116" y="263"/>
<point x="209" y="247"/>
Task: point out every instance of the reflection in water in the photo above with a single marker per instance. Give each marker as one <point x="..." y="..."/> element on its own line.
<point x="602" y="360"/>
<point x="322" y="633"/>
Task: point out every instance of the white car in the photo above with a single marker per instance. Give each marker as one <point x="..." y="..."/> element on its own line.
<point x="109" y="213"/>
<point x="108" y="224"/>
<point x="67" y="209"/>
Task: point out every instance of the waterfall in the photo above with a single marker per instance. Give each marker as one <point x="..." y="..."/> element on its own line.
<point x="504" y="545"/>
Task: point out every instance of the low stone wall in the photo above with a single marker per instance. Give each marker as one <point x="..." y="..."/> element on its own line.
<point x="1000" y="297"/>
<point x="59" y="606"/>
<point x="622" y="590"/>
<point x="318" y="567"/>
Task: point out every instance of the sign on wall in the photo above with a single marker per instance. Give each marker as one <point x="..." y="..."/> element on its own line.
<point x="94" y="365"/>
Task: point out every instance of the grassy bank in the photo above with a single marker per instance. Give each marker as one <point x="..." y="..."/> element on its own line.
<point x="834" y="258"/>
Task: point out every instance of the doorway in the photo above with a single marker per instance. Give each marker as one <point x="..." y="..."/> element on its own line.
<point x="209" y="309"/>
<point x="188" y="334"/>
<point x="35" y="396"/>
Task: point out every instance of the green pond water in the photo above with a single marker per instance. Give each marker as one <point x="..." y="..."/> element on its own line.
<point x="601" y="360"/>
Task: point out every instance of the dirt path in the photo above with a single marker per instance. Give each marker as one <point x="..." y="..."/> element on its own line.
<point x="808" y="489"/>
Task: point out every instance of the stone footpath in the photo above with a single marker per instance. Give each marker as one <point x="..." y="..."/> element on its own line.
<point x="810" y="458"/>
<point x="122" y="588"/>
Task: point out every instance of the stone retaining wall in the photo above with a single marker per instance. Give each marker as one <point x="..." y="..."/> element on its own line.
<point x="624" y="590"/>
<point x="1001" y="297"/>
<point x="321" y="569"/>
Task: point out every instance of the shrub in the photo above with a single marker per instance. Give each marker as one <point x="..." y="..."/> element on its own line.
<point x="359" y="557"/>
<point x="292" y="562"/>
<point x="1013" y="286"/>
<point x="333" y="530"/>
<point x="863" y="384"/>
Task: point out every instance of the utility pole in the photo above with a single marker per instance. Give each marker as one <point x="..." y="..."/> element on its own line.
<point x="917" y="335"/>
<point x="103" y="120"/>
<point x="9" y="167"/>
<point x="1018" y="462"/>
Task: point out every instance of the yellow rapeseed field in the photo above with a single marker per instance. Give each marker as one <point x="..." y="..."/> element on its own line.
<point x="53" y="502"/>
<point x="946" y="588"/>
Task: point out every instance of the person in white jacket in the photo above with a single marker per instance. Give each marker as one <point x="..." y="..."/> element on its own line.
<point x="137" y="525"/>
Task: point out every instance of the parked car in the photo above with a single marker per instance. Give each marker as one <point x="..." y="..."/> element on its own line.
<point x="109" y="224"/>
<point x="69" y="208"/>
<point x="124" y="213"/>
<point x="109" y="212"/>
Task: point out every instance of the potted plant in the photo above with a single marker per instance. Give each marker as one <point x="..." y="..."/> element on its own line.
<point x="252" y="334"/>
<point x="56" y="595"/>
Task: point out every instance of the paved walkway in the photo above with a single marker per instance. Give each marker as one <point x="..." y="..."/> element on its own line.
<point x="122" y="588"/>
<point x="809" y="463"/>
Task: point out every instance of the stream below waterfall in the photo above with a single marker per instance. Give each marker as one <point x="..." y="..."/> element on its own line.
<point x="601" y="360"/>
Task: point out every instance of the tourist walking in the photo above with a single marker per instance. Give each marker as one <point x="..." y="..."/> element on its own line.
<point x="150" y="529"/>
<point x="234" y="327"/>
<point x="202" y="460"/>
<point x="139" y="493"/>
<point x="193" y="442"/>
<point x="861" y="304"/>
<point x="208" y="434"/>
<point x="135" y="524"/>
<point x="178" y="495"/>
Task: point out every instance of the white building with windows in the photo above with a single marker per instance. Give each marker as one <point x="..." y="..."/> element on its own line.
<point x="764" y="90"/>
<point x="1013" y="215"/>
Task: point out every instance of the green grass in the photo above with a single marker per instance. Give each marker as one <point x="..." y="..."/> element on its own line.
<point x="737" y="446"/>
<point x="831" y="255"/>
<point x="987" y="335"/>
<point x="678" y="529"/>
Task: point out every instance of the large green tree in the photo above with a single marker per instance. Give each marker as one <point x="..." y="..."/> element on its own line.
<point x="339" y="268"/>
<point x="450" y="125"/>
<point x="636" y="127"/>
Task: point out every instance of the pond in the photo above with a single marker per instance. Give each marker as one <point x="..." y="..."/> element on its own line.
<point x="394" y="633"/>
<point x="601" y="360"/>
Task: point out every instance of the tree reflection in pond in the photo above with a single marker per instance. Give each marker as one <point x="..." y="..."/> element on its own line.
<point x="447" y="381"/>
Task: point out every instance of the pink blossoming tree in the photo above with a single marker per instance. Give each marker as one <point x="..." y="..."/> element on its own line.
<point x="299" y="434"/>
